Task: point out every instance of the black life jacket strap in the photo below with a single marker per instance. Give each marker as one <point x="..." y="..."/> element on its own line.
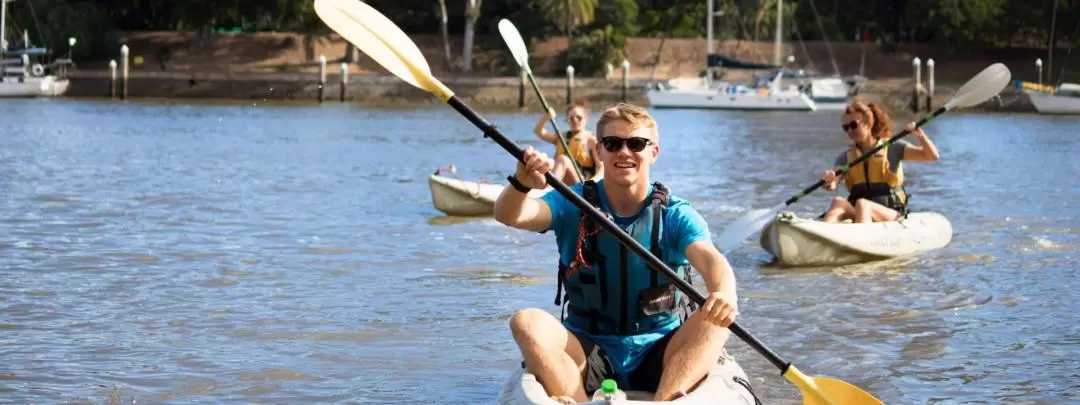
<point x="659" y="202"/>
<point x="595" y="317"/>
<point x="590" y="191"/>
<point x="591" y="194"/>
<point x="870" y="191"/>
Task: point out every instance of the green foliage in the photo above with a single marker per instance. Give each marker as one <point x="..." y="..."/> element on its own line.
<point x="56" y="21"/>
<point x="589" y="54"/>
<point x="687" y="19"/>
<point x="618" y="13"/>
<point x="569" y="14"/>
<point x="955" y="22"/>
<point x="965" y="20"/>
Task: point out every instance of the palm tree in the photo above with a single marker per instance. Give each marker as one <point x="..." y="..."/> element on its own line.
<point x="445" y="33"/>
<point x="569" y="14"/>
<point x="472" y="14"/>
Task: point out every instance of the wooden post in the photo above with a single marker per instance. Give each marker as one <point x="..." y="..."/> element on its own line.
<point x="929" y="84"/>
<point x="521" y="89"/>
<point x="112" y="78"/>
<point x="569" y="85"/>
<point x="344" y="79"/>
<point x="917" y="64"/>
<point x="123" y="70"/>
<point x="322" y="77"/>
<point x="1038" y="68"/>
<point x="625" y="79"/>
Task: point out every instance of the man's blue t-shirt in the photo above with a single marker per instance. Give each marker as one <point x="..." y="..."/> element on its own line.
<point x="682" y="224"/>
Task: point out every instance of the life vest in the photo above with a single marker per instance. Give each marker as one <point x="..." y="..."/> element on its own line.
<point x="609" y="289"/>
<point x="579" y="152"/>
<point x="872" y="180"/>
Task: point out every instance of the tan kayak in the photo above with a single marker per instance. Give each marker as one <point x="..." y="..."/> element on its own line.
<point x="795" y="241"/>
<point x="456" y="197"/>
<point x="724" y="385"/>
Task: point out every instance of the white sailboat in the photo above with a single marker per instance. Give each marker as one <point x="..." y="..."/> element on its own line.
<point x="1064" y="99"/>
<point x="21" y="71"/>
<point x="768" y="92"/>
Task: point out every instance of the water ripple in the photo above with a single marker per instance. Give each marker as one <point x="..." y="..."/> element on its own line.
<point x="189" y="253"/>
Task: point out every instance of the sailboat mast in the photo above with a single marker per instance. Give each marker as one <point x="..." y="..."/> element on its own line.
<point x="779" y="31"/>
<point x="708" y="43"/>
<point x="1050" y="46"/>
<point x="3" y="26"/>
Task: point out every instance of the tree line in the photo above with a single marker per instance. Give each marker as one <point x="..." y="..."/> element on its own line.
<point x="602" y="24"/>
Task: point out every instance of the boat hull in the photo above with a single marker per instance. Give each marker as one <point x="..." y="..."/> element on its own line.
<point x="720" y="387"/>
<point x="715" y="99"/>
<point x="458" y="197"/>
<point x="46" y="86"/>
<point x="1052" y="104"/>
<point x="797" y="241"/>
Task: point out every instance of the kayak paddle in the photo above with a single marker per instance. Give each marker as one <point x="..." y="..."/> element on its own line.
<point x="984" y="85"/>
<point x="513" y="41"/>
<point x="385" y="43"/>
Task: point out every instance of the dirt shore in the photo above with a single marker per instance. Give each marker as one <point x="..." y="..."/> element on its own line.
<point x="279" y="66"/>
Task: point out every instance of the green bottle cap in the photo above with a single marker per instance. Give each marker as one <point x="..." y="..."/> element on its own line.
<point x="608" y="386"/>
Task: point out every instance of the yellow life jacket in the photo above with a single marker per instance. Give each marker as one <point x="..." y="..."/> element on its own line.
<point x="579" y="152"/>
<point x="873" y="180"/>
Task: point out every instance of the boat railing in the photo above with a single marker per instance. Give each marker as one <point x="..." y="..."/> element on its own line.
<point x="1020" y="84"/>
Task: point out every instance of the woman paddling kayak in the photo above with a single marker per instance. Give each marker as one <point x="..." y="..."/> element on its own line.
<point x="876" y="186"/>
<point x="582" y="144"/>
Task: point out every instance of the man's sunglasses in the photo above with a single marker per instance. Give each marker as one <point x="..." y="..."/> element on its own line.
<point x="850" y="126"/>
<point x="635" y="144"/>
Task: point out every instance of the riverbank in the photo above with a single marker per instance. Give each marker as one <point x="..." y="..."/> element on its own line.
<point x="284" y="66"/>
<point x="496" y="92"/>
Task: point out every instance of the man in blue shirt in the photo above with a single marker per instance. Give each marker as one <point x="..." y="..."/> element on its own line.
<point x="621" y="319"/>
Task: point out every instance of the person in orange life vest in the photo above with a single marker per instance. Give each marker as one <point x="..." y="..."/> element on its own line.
<point x="876" y="186"/>
<point x="581" y="142"/>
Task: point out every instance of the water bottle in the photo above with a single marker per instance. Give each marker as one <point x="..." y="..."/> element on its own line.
<point x="609" y="390"/>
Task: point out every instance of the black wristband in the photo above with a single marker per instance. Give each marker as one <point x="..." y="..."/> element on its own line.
<point x="517" y="184"/>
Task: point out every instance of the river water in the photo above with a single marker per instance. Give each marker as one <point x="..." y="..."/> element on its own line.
<point x="246" y="253"/>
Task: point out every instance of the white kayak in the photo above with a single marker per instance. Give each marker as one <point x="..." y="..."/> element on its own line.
<point x="795" y="241"/>
<point x="458" y="197"/>
<point x="724" y="385"/>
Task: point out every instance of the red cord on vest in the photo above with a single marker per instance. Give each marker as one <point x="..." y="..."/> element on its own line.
<point x="580" y="258"/>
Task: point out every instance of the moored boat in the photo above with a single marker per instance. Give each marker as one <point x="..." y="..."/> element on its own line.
<point x="795" y="241"/>
<point x="457" y="197"/>
<point x="1065" y="99"/>
<point x="726" y="384"/>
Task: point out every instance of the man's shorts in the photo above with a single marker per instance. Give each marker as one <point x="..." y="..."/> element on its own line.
<point x="646" y="377"/>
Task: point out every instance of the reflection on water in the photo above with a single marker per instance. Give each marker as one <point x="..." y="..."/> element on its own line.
<point x="188" y="253"/>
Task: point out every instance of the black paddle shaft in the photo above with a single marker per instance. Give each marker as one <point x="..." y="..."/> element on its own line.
<point x="865" y="156"/>
<point x="654" y="263"/>
<point x="558" y="133"/>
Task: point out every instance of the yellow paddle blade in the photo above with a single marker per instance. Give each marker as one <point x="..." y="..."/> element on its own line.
<point x="378" y="37"/>
<point x="828" y="391"/>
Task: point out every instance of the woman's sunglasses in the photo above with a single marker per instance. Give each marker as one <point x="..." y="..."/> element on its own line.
<point x="850" y="126"/>
<point x="614" y="143"/>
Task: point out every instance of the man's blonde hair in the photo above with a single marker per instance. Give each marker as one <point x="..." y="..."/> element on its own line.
<point x="636" y="116"/>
